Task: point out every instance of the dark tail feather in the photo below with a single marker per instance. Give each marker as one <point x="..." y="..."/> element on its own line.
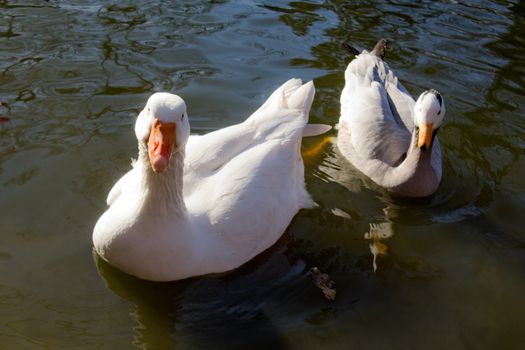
<point x="350" y="48"/>
<point x="380" y="49"/>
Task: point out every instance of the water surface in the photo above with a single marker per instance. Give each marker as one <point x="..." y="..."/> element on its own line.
<point x="73" y="76"/>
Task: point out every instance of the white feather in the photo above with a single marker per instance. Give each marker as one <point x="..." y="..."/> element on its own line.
<point x="230" y="198"/>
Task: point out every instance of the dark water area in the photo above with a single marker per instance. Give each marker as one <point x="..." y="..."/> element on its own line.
<point x="74" y="75"/>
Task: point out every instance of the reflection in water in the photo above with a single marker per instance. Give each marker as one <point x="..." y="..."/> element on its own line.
<point x="338" y="169"/>
<point x="375" y="235"/>
<point x="219" y="311"/>
<point x="153" y="304"/>
<point x="317" y="149"/>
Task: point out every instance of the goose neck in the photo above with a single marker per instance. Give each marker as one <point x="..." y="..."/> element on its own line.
<point x="164" y="190"/>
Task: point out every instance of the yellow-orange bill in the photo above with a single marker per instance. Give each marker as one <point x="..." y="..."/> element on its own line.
<point x="425" y="135"/>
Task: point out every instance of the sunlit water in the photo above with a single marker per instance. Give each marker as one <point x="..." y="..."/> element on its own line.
<point x="73" y="75"/>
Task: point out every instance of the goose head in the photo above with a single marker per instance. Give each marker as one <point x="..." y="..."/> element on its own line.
<point x="428" y="117"/>
<point x="163" y="127"/>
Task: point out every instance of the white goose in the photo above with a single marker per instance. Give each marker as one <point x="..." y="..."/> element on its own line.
<point x="384" y="133"/>
<point x="194" y="205"/>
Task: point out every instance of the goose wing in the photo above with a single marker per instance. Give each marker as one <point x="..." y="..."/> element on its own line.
<point x="284" y="111"/>
<point x="376" y="110"/>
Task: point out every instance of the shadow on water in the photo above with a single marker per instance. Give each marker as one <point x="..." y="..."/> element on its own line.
<point x="263" y="302"/>
<point x="153" y="305"/>
<point x="220" y="311"/>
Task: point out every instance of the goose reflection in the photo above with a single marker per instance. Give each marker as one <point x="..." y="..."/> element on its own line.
<point x="154" y="305"/>
<point x="376" y="235"/>
<point x="339" y="170"/>
<point x="216" y="311"/>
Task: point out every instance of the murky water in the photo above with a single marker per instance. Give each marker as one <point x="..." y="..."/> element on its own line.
<point x="73" y="75"/>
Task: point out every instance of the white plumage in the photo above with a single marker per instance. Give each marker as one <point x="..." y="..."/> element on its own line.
<point x="224" y="197"/>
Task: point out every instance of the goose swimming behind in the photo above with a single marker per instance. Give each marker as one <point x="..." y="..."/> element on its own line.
<point x="384" y="133"/>
<point x="195" y="205"/>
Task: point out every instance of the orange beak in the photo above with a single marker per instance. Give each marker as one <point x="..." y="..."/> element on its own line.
<point x="425" y="136"/>
<point x="161" y="142"/>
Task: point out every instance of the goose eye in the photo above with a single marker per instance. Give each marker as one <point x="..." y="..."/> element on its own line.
<point x="440" y="99"/>
<point x="182" y="118"/>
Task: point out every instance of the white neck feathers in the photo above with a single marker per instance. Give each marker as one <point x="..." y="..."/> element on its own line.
<point x="163" y="191"/>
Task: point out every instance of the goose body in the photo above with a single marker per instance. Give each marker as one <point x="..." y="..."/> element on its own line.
<point x="384" y="133"/>
<point x="214" y="201"/>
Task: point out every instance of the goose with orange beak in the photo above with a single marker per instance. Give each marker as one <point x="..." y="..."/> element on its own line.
<point x="207" y="203"/>
<point x="156" y="128"/>
<point x="384" y="133"/>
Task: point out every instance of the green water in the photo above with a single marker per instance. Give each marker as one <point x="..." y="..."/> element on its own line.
<point x="74" y="74"/>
